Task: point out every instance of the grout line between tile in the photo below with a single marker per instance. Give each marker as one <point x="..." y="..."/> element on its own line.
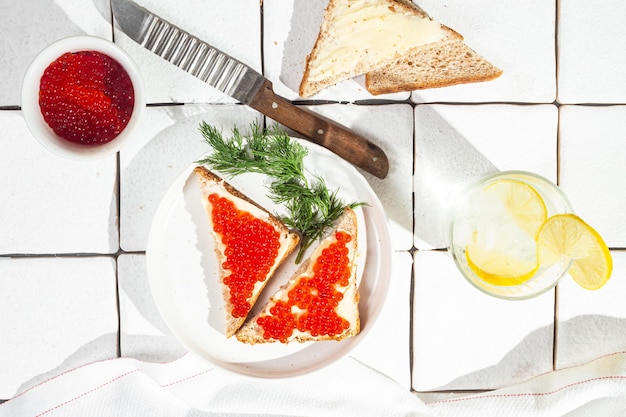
<point x="555" y="318"/>
<point x="411" y="300"/>
<point x="557" y="6"/>
<point x="412" y="254"/>
<point x="555" y="329"/>
<point x="262" y="37"/>
<point x="118" y="180"/>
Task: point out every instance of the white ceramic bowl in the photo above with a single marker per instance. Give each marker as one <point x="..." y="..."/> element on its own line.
<point x="30" y="98"/>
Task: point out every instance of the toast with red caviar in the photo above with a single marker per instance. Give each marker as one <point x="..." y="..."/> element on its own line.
<point x="320" y="300"/>
<point x="250" y="244"/>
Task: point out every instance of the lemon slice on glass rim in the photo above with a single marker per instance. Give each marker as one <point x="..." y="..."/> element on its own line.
<point x="567" y="235"/>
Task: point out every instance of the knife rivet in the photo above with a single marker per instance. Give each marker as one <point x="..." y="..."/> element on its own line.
<point x="274" y="105"/>
<point x="320" y="131"/>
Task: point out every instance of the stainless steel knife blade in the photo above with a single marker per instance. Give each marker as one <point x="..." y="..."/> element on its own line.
<point x="243" y="83"/>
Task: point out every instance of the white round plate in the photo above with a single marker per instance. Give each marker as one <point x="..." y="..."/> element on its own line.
<point x="183" y="274"/>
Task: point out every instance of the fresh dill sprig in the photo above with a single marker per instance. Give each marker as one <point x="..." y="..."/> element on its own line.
<point x="271" y="152"/>
<point x="311" y="207"/>
<point x="312" y="210"/>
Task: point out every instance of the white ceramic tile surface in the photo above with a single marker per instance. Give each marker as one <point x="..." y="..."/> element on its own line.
<point x="168" y="143"/>
<point x="592" y="165"/>
<point x="517" y="36"/>
<point x="592" y="160"/>
<point x="57" y="314"/>
<point x="464" y="339"/>
<point x="50" y="204"/>
<point x="386" y="347"/>
<point x="232" y="27"/>
<point x="592" y="52"/>
<point x="29" y="26"/>
<point x="454" y="144"/>
<point x="591" y="323"/>
<point x="143" y="333"/>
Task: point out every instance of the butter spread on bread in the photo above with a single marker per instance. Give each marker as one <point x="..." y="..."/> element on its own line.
<point x="250" y="244"/>
<point x="395" y="43"/>
<point x="320" y="300"/>
<point x="358" y="36"/>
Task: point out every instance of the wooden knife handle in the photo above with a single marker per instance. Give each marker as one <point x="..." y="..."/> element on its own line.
<point x="348" y="145"/>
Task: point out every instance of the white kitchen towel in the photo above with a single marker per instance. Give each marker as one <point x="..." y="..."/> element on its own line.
<point x="191" y="388"/>
<point x="597" y="388"/>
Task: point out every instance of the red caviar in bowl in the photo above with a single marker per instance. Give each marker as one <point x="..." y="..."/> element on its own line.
<point x="251" y="249"/>
<point x="86" y="97"/>
<point x="315" y="298"/>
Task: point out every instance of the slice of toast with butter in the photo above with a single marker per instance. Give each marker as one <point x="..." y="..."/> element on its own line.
<point x="395" y="43"/>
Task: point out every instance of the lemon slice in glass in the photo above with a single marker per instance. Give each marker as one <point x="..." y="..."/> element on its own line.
<point x="503" y="249"/>
<point x="522" y="202"/>
<point x="567" y="236"/>
<point x="505" y="262"/>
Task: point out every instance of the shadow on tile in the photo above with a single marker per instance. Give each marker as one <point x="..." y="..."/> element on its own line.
<point x="104" y="9"/>
<point x="143" y="333"/>
<point x="53" y="23"/>
<point x="531" y="357"/>
<point x="445" y="162"/>
<point x="161" y="349"/>
<point x="582" y="339"/>
<point x="585" y="338"/>
<point x="30" y="43"/>
<point x="304" y="21"/>
<point x="216" y="317"/>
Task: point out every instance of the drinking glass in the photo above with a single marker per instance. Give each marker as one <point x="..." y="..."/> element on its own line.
<point x="473" y="213"/>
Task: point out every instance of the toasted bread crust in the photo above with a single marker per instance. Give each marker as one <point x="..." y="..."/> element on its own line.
<point x="252" y="333"/>
<point x="435" y="65"/>
<point x="289" y="241"/>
